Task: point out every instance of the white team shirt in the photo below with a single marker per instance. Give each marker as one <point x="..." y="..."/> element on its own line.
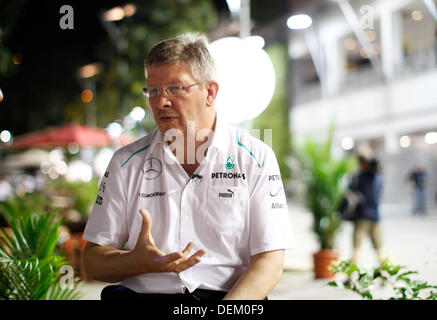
<point x="233" y="207"/>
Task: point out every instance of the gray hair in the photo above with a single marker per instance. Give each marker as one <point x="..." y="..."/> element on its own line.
<point x="188" y="48"/>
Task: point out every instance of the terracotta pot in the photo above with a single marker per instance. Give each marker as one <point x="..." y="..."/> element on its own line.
<point x="322" y="260"/>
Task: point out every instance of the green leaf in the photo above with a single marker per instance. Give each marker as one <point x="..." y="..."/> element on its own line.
<point x="29" y="268"/>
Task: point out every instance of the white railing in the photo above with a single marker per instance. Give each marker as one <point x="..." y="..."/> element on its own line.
<point x="365" y="76"/>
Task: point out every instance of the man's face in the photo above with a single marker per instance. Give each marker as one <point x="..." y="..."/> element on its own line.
<point x="173" y="112"/>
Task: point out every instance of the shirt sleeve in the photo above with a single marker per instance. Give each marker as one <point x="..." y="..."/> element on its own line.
<point x="270" y="223"/>
<point x="107" y="222"/>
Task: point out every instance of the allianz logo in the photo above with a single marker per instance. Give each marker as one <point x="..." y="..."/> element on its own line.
<point x="229" y="194"/>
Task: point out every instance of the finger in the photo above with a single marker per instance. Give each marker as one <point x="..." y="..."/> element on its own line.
<point x="190" y="262"/>
<point x="188" y="249"/>
<point x="171" y="258"/>
<point x="182" y="263"/>
<point x="178" y="257"/>
<point x="198" y="253"/>
<point x="146" y="228"/>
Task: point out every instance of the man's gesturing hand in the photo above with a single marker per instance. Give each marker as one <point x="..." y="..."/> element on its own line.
<point x="151" y="259"/>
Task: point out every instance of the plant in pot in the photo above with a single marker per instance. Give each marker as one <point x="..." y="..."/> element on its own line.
<point x="322" y="177"/>
<point x="30" y="267"/>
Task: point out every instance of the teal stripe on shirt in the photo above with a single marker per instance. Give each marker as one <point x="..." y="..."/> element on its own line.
<point x="142" y="149"/>
<point x="250" y="152"/>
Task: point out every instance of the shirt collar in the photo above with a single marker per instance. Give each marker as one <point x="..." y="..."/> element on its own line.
<point x="157" y="138"/>
<point x="220" y="138"/>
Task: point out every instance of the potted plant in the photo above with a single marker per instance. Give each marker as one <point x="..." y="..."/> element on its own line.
<point x="400" y="279"/>
<point x="30" y="267"/>
<point x="322" y="176"/>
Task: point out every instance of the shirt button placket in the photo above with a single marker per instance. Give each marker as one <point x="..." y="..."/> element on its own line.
<point x="185" y="225"/>
<point x="185" y="218"/>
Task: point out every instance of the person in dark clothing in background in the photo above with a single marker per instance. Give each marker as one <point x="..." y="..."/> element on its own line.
<point x="417" y="178"/>
<point x="367" y="222"/>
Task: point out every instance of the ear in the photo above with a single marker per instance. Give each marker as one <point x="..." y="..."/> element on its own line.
<point x="212" y="88"/>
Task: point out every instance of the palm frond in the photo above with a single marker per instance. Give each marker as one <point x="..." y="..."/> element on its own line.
<point x="322" y="176"/>
<point x="29" y="268"/>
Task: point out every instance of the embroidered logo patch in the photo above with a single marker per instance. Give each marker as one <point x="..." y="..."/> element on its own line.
<point x="229" y="165"/>
<point x="152" y="168"/>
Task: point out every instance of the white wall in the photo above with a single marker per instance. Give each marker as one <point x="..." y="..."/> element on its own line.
<point x="407" y="105"/>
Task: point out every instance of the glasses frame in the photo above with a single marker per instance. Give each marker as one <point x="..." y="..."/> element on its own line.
<point x="146" y="92"/>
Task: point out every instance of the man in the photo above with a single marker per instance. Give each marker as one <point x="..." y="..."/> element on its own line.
<point x="367" y="222"/>
<point x="417" y="178"/>
<point x="191" y="184"/>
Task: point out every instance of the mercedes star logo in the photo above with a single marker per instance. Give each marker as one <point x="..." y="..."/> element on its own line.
<point x="152" y="168"/>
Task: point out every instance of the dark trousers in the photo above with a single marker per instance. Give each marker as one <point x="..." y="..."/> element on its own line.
<point x="116" y="292"/>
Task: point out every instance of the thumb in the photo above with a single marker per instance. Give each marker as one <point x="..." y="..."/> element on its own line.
<point x="146" y="228"/>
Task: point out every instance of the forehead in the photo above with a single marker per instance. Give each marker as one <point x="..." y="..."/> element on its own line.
<point x="177" y="73"/>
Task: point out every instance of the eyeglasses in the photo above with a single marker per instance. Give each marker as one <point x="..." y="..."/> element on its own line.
<point x="171" y="91"/>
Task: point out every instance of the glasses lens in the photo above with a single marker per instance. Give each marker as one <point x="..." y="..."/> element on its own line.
<point x="151" y="93"/>
<point x="175" y="90"/>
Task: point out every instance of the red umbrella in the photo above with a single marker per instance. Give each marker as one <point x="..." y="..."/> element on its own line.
<point x="63" y="136"/>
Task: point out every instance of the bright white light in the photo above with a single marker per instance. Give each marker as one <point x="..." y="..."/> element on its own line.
<point x="55" y="156"/>
<point x="114" y="14"/>
<point x="405" y="141"/>
<point x="137" y="113"/>
<point x="1" y="95"/>
<point x="256" y="42"/>
<point x="87" y="175"/>
<point x="61" y="167"/>
<point x="431" y="137"/>
<point x="101" y="161"/>
<point x="246" y="77"/>
<point x="5" y="136"/>
<point x="299" y="22"/>
<point x="234" y="6"/>
<point x="347" y="143"/>
<point x="114" y="130"/>
<point x="79" y="171"/>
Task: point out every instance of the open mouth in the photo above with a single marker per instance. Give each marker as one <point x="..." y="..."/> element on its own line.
<point x="167" y="118"/>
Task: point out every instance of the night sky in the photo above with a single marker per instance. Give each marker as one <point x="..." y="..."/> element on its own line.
<point x="50" y="57"/>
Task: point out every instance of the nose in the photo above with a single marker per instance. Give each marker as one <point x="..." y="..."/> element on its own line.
<point x="162" y="101"/>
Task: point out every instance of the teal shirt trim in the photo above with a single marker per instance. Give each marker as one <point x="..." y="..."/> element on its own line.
<point x="142" y="149"/>
<point x="242" y="145"/>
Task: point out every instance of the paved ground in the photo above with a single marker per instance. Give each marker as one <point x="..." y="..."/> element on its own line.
<point x="410" y="241"/>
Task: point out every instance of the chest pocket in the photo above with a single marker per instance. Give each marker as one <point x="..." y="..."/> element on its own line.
<point x="227" y="208"/>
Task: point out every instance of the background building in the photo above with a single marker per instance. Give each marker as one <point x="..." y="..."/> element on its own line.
<point x="371" y="68"/>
